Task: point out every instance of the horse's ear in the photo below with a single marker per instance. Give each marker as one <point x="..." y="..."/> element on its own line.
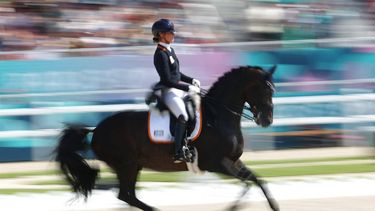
<point x="269" y="73"/>
<point x="272" y="70"/>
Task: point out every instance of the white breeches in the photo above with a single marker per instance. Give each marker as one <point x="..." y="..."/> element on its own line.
<point x="173" y="98"/>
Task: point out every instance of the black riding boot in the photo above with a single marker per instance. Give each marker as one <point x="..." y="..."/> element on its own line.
<point x="179" y="136"/>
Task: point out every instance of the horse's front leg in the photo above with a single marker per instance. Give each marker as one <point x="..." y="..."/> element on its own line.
<point x="238" y="170"/>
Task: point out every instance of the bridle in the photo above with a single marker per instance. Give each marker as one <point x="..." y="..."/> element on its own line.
<point x="230" y="108"/>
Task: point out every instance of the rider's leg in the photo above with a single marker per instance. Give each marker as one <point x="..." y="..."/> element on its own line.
<point x="173" y="99"/>
<point x="179" y="138"/>
<point x="176" y="105"/>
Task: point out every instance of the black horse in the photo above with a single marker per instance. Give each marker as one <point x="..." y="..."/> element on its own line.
<point x="121" y="140"/>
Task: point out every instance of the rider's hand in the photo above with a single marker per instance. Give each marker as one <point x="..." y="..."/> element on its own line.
<point x="196" y="83"/>
<point x="194" y="89"/>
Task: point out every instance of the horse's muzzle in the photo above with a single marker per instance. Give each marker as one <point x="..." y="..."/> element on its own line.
<point x="263" y="119"/>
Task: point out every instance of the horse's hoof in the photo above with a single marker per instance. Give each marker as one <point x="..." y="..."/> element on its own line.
<point x="233" y="208"/>
<point x="276" y="209"/>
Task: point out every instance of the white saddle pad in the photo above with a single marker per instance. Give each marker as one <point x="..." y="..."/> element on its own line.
<point x="158" y="126"/>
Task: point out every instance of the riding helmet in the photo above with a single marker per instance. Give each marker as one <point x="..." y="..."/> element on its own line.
<point x="162" y="25"/>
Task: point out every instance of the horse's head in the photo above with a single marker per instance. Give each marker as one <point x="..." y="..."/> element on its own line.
<point x="258" y="94"/>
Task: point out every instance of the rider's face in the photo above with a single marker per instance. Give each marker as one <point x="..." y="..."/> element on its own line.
<point x="167" y="37"/>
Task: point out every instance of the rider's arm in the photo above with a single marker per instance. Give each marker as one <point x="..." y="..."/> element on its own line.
<point x="161" y="63"/>
<point x="186" y="79"/>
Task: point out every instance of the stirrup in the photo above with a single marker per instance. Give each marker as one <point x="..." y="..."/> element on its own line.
<point x="187" y="154"/>
<point x="179" y="158"/>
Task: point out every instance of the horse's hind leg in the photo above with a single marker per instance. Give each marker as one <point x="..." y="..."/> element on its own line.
<point x="127" y="175"/>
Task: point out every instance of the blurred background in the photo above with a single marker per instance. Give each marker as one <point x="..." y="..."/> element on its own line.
<point x="82" y="60"/>
<point x="79" y="61"/>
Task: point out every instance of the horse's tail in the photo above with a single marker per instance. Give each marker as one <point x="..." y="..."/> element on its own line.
<point x="77" y="171"/>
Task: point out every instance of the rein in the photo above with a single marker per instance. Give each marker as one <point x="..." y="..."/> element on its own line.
<point x="246" y="116"/>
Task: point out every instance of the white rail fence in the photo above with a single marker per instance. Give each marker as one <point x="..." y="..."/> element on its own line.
<point x="124" y="107"/>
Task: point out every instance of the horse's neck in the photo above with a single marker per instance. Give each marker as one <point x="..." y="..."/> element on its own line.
<point x="227" y="105"/>
<point x="230" y="96"/>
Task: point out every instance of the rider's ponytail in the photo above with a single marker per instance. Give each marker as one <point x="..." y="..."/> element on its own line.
<point x="156" y="39"/>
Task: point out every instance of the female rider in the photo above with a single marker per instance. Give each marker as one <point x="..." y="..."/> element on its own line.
<point x="173" y="91"/>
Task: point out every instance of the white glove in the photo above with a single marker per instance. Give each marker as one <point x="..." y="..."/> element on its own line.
<point x="196" y="83"/>
<point x="194" y="89"/>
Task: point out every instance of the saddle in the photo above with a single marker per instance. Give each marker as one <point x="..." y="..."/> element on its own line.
<point x="161" y="122"/>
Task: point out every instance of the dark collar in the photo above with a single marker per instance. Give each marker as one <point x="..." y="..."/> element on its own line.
<point x="162" y="48"/>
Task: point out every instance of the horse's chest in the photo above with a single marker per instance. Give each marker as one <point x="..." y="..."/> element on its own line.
<point x="237" y="143"/>
<point x="232" y="143"/>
